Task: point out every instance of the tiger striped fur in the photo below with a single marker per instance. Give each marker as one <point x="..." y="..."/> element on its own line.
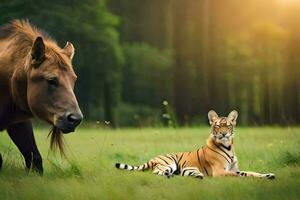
<point x="216" y="158"/>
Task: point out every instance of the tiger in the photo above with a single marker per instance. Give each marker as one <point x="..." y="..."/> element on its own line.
<point x="217" y="158"/>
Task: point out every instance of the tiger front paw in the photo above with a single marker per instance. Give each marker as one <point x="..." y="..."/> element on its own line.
<point x="200" y="176"/>
<point x="168" y="174"/>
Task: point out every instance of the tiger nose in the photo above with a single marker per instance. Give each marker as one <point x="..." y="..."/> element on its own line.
<point x="224" y="134"/>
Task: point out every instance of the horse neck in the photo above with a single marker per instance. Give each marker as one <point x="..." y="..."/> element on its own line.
<point x="19" y="89"/>
<point x="13" y="68"/>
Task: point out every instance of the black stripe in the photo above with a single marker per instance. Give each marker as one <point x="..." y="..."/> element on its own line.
<point x="200" y="161"/>
<point x="219" y="153"/>
<point x="206" y="171"/>
<point x="174" y="158"/>
<point x="125" y="166"/>
<point x="176" y="171"/>
<point x="205" y="161"/>
<point x="153" y="165"/>
<point x="191" y="173"/>
<point x="184" y="171"/>
<point x="198" y="157"/>
<point x="223" y="151"/>
<point x="228" y="148"/>
<point x="164" y="160"/>
<point x="183" y="165"/>
<point x="180" y="158"/>
<point x="159" y="168"/>
<point x="171" y="158"/>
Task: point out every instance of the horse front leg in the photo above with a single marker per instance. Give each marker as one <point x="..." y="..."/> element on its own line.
<point x="22" y="135"/>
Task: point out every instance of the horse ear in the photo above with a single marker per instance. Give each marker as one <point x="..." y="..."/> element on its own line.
<point x="38" y="51"/>
<point x="212" y="116"/>
<point x="69" y="50"/>
<point x="233" y="115"/>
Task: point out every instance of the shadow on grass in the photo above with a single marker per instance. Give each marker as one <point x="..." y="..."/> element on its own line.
<point x="290" y="158"/>
<point x="72" y="169"/>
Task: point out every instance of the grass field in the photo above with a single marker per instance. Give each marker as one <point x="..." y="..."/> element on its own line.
<point x="89" y="172"/>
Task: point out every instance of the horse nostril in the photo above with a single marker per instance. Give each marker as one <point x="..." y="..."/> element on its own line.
<point x="74" y="118"/>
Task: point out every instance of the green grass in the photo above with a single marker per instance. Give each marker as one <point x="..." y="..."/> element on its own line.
<point x="89" y="172"/>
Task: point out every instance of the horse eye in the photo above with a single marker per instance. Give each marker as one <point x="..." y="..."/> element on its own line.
<point x="53" y="82"/>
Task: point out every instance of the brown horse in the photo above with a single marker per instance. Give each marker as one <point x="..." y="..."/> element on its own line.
<point x="36" y="80"/>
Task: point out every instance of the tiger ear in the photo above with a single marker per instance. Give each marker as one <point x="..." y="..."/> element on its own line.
<point x="233" y="115"/>
<point x="212" y="116"/>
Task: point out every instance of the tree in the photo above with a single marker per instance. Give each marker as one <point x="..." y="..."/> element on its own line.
<point x="92" y="29"/>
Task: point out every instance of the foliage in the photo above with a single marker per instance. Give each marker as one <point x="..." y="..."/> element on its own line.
<point x="221" y="61"/>
<point x="92" y="29"/>
<point x="138" y="115"/>
<point x="196" y="55"/>
<point x="146" y="74"/>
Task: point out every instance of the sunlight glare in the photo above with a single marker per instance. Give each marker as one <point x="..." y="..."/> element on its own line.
<point x="288" y="1"/>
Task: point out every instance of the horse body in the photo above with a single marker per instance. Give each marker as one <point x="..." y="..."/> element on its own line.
<point x="36" y="80"/>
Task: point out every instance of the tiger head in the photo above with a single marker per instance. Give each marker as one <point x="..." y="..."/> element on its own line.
<point x="222" y="127"/>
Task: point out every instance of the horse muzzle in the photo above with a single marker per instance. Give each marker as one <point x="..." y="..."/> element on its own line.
<point x="69" y="121"/>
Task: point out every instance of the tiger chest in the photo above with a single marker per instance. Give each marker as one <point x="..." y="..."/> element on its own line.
<point x="231" y="166"/>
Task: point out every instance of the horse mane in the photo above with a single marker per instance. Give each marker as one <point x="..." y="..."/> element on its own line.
<point x="21" y="36"/>
<point x="21" y="27"/>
